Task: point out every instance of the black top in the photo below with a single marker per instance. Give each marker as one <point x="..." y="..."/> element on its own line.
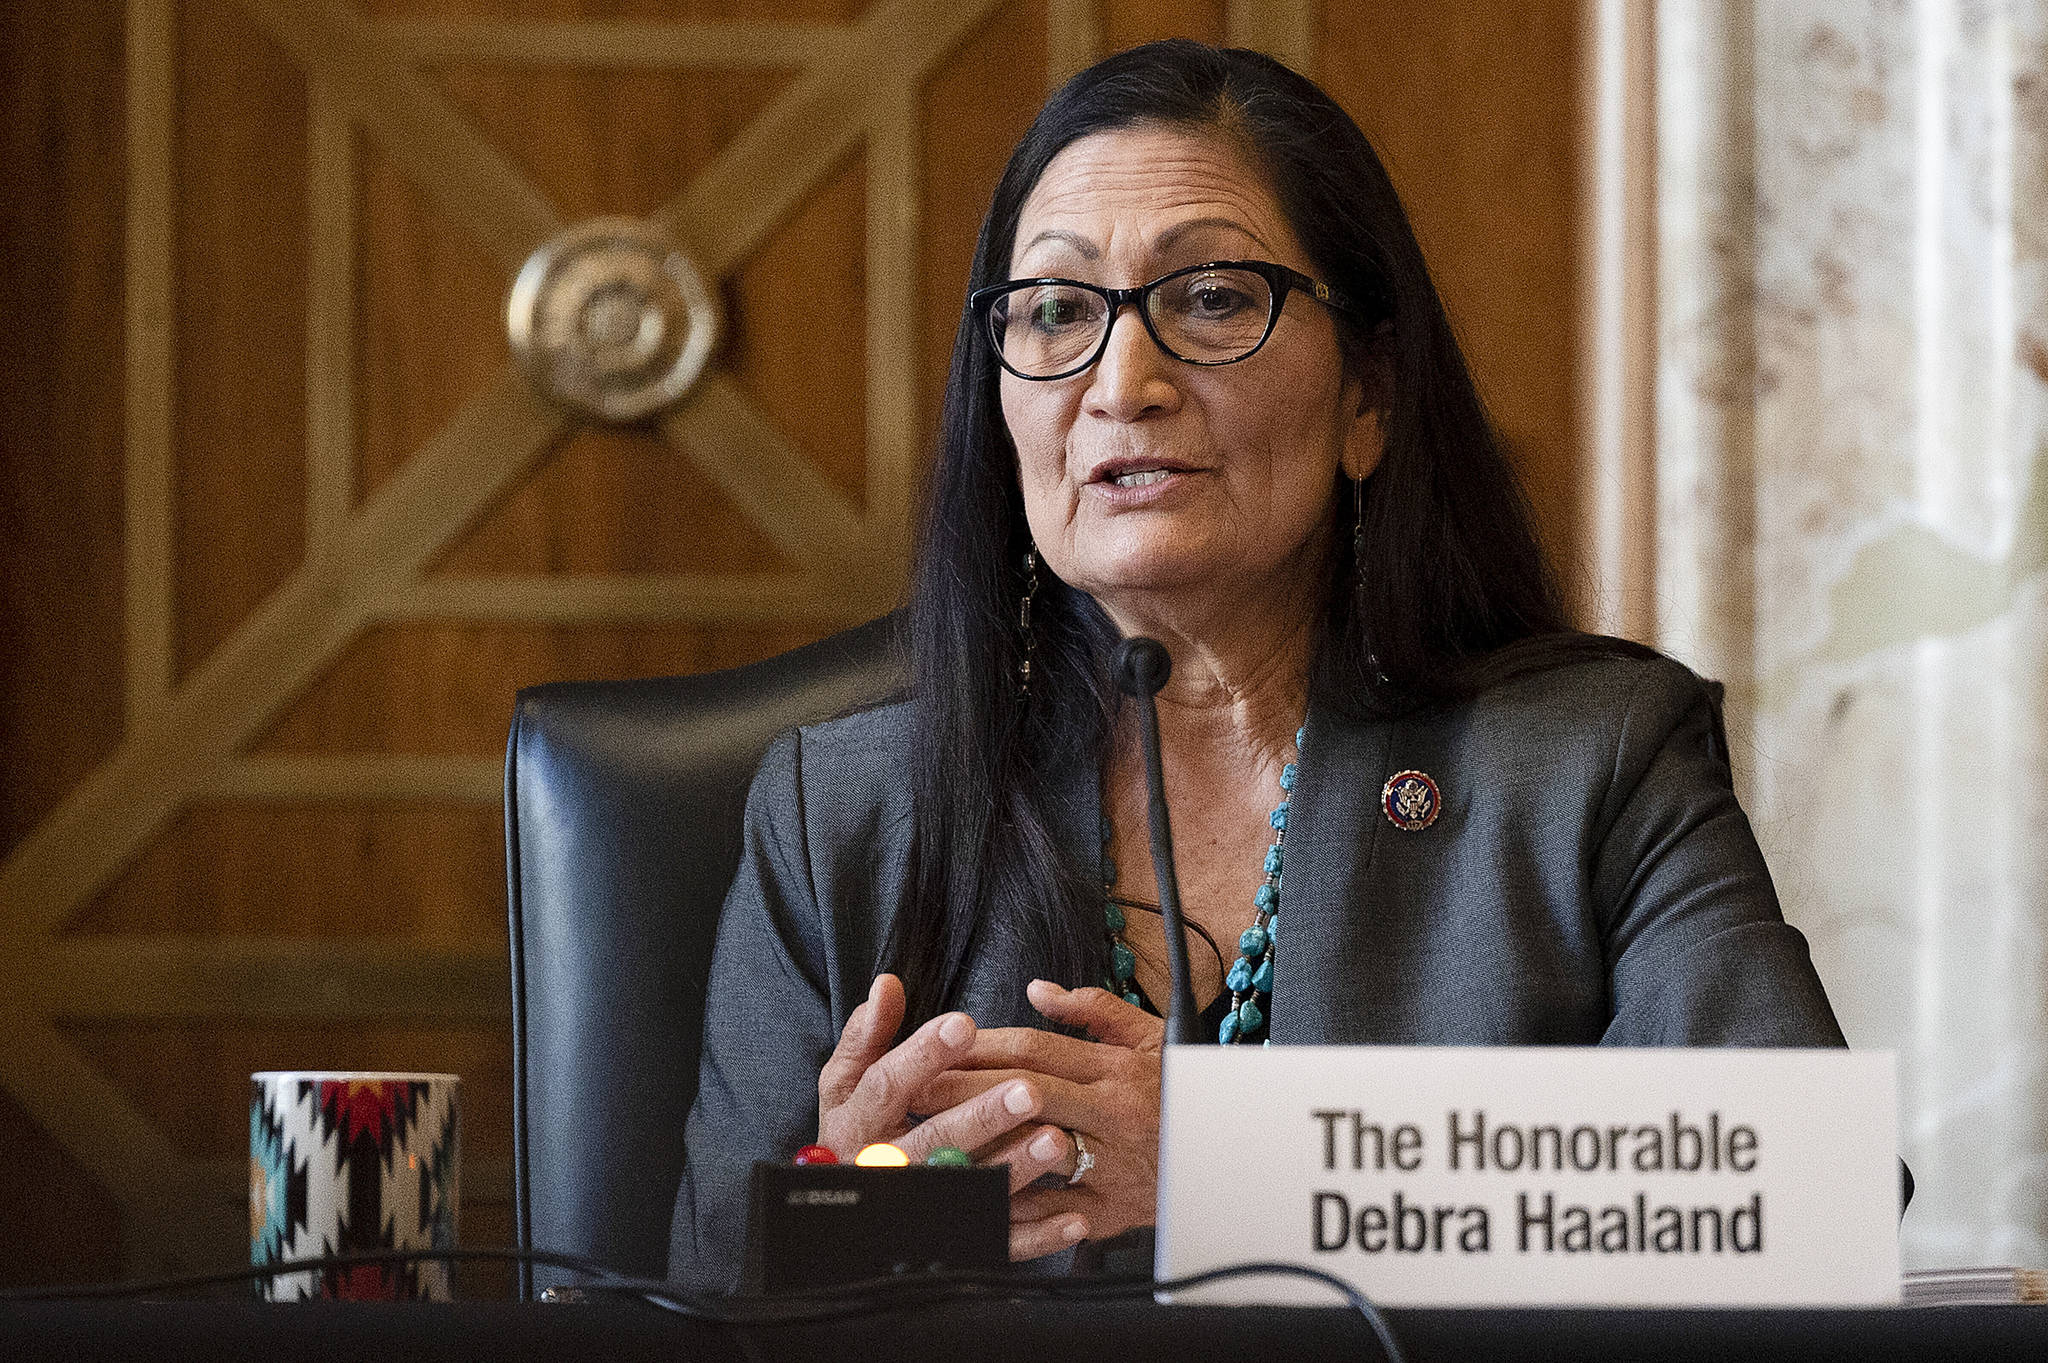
<point x="1212" y="1017"/>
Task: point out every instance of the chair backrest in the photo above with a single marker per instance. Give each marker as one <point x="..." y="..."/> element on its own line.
<point x="623" y="803"/>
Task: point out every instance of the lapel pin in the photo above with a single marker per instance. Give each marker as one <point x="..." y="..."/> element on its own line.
<point x="1411" y="800"/>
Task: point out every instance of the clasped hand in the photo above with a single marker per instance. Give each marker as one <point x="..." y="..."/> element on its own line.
<point x="1014" y="1096"/>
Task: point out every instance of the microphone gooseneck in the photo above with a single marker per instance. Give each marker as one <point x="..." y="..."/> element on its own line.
<point x="1141" y="667"/>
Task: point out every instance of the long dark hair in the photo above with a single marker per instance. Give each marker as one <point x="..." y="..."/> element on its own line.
<point x="1457" y="575"/>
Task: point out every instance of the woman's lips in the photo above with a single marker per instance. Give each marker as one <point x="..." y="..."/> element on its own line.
<point x="1141" y="477"/>
<point x="1128" y="466"/>
<point x="1139" y="487"/>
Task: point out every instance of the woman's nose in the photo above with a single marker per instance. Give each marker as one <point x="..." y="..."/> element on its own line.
<point x="1131" y="379"/>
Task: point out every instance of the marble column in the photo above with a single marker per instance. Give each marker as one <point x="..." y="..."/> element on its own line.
<point x="1851" y="527"/>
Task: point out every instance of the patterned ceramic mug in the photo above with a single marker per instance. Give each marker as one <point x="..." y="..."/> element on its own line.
<point x="345" y="1162"/>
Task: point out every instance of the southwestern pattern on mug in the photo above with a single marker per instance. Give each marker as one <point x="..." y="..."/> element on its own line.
<point x="353" y="1166"/>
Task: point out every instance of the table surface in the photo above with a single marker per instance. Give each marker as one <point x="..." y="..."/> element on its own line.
<point x="1040" y="1331"/>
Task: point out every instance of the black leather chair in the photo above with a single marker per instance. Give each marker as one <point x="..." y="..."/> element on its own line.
<point x="623" y="803"/>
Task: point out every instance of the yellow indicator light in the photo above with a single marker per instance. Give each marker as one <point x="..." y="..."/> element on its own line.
<point x="881" y="1155"/>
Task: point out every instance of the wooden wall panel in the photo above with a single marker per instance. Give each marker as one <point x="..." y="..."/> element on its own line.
<point x="617" y="12"/>
<point x="63" y="1225"/>
<point x="1474" y="107"/>
<point x="1126" y="23"/>
<point x="410" y="868"/>
<point x="241" y="316"/>
<point x="424" y="321"/>
<point x="61" y="360"/>
<point x="797" y="338"/>
<point x="973" y="110"/>
<point x="373" y="535"/>
<point x="612" y="501"/>
<point x="62" y="354"/>
<point x="597" y="142"/>
<point x="447" y="689"/>
<point x="164" y="1064"/>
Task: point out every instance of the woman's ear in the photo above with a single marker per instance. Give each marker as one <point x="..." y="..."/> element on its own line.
<point x="1372" y="391"/>
<point x="1364" y="443"/>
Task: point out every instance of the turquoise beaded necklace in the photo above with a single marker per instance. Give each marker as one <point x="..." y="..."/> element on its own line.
<point x="1250" y="980"/>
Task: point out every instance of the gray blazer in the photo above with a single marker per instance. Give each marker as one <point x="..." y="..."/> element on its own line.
<point x="1590" y="880"/>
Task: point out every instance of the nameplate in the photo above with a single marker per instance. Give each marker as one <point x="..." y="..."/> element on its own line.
<point x="1544" y="1176"/>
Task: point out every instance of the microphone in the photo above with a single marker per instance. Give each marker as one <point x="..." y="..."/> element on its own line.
<point x="1141" y="667"/>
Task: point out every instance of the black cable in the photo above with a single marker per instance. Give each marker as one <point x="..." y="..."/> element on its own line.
<point x="849" y="1300"/>
<point x="604" y="1273"/>
<point x="861" y="1297"/>
<point x="1191" y="925"/>
<point x="810" y="1306"/>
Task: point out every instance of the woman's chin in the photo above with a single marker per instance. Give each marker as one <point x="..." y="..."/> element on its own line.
<point x="1156" y="578"/>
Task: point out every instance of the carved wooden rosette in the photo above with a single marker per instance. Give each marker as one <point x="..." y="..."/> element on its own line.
<point x="611" y="320"/>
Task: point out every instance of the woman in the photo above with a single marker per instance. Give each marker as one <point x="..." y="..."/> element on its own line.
<point x="1205" y="391"/>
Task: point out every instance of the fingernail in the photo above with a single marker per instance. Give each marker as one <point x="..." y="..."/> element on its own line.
<point x="1045" y="1147"/>
<point x="1018" y="1099"/>
<point x="957" y="1030"/>
<point x="875" y="989"/>
<point x="1074" y="1230"/>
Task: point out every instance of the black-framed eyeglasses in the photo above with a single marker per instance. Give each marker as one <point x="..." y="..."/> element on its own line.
<point x="1219" y="313"/>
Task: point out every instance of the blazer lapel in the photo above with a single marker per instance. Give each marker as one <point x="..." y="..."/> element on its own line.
<point x="1326" y="880"/>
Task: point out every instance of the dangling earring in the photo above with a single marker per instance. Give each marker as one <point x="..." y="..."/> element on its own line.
<point x="1358" y="585"/>
<point x="1358" y="531"/>
<point x="1024" y="621"/>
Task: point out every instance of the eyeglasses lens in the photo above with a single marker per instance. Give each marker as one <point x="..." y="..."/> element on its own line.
<point x="1044" y="329"/>
<point x="1209" y="317"/>
<point x="1212" y="315"/>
